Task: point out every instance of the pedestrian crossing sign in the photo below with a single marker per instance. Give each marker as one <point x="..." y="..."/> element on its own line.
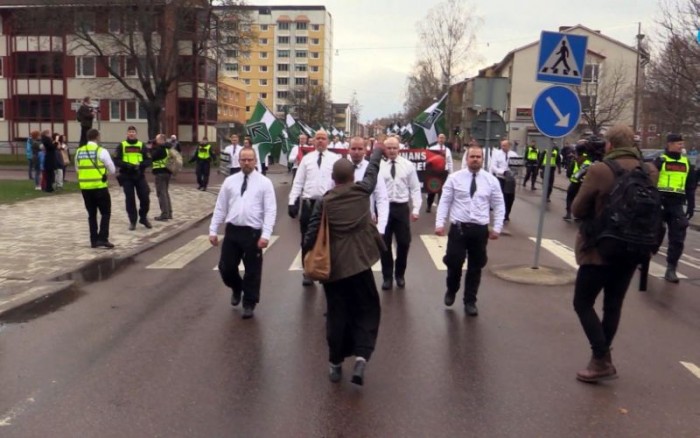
<point x="562" y="58"/>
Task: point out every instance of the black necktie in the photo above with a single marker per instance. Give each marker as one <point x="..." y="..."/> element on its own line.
<point x="245" y="183"/>
<point x="472" y="188"/>
<point x="393" y="169"/>
<point x="320" y="157"/>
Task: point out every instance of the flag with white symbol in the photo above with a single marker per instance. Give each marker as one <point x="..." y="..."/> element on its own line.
<point x="429" y="124"/>
<point x="265" y="132"/>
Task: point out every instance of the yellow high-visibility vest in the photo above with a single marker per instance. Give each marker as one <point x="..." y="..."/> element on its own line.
<point x="673" y="174"/>
<point x="89" y="168"/>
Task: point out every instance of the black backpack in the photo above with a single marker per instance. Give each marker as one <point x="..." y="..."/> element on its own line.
<point x="631" y="226"/>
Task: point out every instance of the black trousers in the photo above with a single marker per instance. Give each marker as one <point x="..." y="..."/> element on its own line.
<point x="134" y="187"/>
<point x="83" y="135"/>
<point x="508" y="198"/>
<point x="98" y="200"/>
<point x="530" y="172"/>
<point x="551" y="180"/>
<point x="613" y="280"/>
<point x="571" y="193"/>
<point x="466" y="241"/>
<point x="399" y="224"/>
<point x="306" y="207"/>
<point x="241" y="243"/>
<point x="677" y="224"/>
<point x="432" y="196"/>
<point x="353" y="314"/>
<point x="50" y="179"/>
<point x="202" y="172"/>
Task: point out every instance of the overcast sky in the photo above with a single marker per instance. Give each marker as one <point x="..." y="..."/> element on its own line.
<point x="376" y="41"/>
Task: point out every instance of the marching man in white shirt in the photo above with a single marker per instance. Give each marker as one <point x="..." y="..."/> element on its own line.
<point x="402" y="186"/>
<point x="312" y="181"/>
<point x="467" y="197"/>
<point x="247" y="205"/>
<point x="440" y="146"/>
<point x="378" y="200"/>
<point x="232" y="150"/>
<point x="500" y="169"/>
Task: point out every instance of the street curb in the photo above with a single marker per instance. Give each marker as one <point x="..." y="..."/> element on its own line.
<point x="58" y="283"/>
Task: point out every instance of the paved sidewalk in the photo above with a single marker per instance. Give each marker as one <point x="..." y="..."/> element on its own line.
<point x="47" y="238"/>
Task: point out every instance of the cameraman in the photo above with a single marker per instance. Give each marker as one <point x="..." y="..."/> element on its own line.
<point x="576" y="172"/>
<point x="86" y="114"/>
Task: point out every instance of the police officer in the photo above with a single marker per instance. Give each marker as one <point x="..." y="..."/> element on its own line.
<point x="531" y="165"/>
<point x="677" y="187"/>
<point x="203" y="156"/>
<point x="554" y="161"/>
<point x="92" y="163"/>
<point x="576" y="172"/>
<point x="132" y="158"/>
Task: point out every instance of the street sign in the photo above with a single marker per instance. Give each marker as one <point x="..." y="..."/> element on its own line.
<point x="562" y="58"/>
<point x="556" y="111"/>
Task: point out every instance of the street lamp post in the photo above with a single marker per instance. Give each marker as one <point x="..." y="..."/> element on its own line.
<point x="635" y="121"/>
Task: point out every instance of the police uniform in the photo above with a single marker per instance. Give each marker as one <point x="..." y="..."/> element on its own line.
<point x="92" y="163"/>
<point x="531" y="164"/>
<point x="554" y="161"/>
<point x="132" y="158"/>
<point x="677" y="186"/>
<point x="203" y="156"/>
<point x="576" y="173"/>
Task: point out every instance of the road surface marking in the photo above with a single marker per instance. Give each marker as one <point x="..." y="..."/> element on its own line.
<point x="661" y="270"/>
<point x="273" y="239"/>
<point x="436" y="246"/>
<point x="183" y="255"/>
<point x="694" y="369"/>
<point x="7" y="418"/>
<point x="296" y="264"/>
<point x="567" y="255"/>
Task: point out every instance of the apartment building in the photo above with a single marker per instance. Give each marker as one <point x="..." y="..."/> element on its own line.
<point x="293" y="49"/>
<point x="231" y="95"/>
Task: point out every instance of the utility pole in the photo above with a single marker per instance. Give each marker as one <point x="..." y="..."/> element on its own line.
<point x="635" y="121"/>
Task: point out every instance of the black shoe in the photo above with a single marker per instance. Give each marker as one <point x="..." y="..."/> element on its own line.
<point x="235" y="297"/>
<point x="358" y="373"/>
<point x="247" y="312"/>
<point x="549" y="200"/>
<point x="400" y="282"/>
<point x="471" y="309"/>
<point x="307" y="281"/>
<point x="335" y="373"/>
<point x="93" y="245"/>
<point x="145" y="223"/>
<point x="450" y="298"/>
<point x="161" y="218"/>
<point x="532" y="188"/>
<point x="132" y="226"/>
<point x="386" y="284"/>
<point x="428" y="210"/>
<point x="506" y="219"/>
<point x="105" y="244"/>
<point x="671" y="275"/>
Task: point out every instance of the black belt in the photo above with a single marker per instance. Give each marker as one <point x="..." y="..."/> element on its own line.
<point x="468" y="225"/>
<point x="231" y="227"/>
<point x="398" y="203"/>
<point x="308" y="201"/>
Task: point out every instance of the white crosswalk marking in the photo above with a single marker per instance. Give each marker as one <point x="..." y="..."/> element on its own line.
<point x="567" y="255"/>
<point x="296" y="264"/>
<point x="694" y="369"/>
<point x="183" y="255"/>
<point x="436" y="246"/>
<point x="686" y="259"/>
<point x="273" y="239"/>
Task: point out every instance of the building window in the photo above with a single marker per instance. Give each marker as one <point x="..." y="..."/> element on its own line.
<point x="263" y="27"/>
<point x="231" y="40"/>
<point x="301" y="53"/>
<point x="314" y="68"/>
<point x="299" y="81"/>
<point x="302" y="25"/>
<point x="85" y="22"/>
<point x="230" y="67"/>
<point x="263" y="95"/>
<point x="40" y="108"/>
<point x="115" y="23"/>
<point x="282" y="94"/>
<point x="315" y="41"/>
<point x="132" y="67"/>
<point x="313" y="82"/>
<point x="1" y="62"/>
<point x="84" y="67"/>
<point x="651" y="128"/>
<point x="246" y="68"/>
<point x="246" y="81"/>
<point x="283" y="53"/>
<point x="316" y="27"/>
<point x="282" y="67"/>
<point x="299" y="94"/>
<point x="283" y="26"/>
<point x="302" y="40"/>
<point x="591" y="72"/>
<point x="263" y="69"/>
<point x="263" y="82"/>
<point x="263" y="55"/>
<point x="263" y="41"/>
<point x="280" y="108"/>
<point x="115" y="110"/>
<point x="2" y="110"/>
<point x="588" y="103"/>
<point x="115" y="65"/>
<point x="282" y="81"/>
<point x="39" y="65"/>
<point x="134" y="111"/>
<point x="283" y="40"/>
<point x="315" y="55"/>
<point x="231" y="53"/>
<point x="300" y="67"/>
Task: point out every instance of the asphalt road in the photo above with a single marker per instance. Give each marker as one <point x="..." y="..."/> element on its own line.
<point x="160" y="352"/>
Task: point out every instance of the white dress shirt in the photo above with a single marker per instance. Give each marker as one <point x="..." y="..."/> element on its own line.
<point x="233" y="151"/>
<point x="448" y="155"/>
<point x="293" y="154"/>
<point x="102" y="155"/>
<point x="256" y="208"/>
<point x="312" y="181"/>
<point x="378" y="198"/>
<point x="405" y="185"/>
<point x="499" y="162"/>
<point x="462" y="207"/>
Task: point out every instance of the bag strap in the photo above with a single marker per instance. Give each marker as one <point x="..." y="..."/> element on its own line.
<point x="618" y="171"/>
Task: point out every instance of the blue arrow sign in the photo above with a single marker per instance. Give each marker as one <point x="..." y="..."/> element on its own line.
<point x="562" y="58"/>
<point x="556" y="111"/>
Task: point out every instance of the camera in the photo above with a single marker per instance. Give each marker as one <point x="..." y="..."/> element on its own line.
<point x="593" y="146"/>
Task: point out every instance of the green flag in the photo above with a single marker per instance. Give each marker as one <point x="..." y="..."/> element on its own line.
<point x="294" y="129"/>
<point x="429" y="124"/>
<point x="264" y="130"/>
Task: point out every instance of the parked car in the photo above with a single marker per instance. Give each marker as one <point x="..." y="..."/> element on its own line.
<point x="651" y="154"/>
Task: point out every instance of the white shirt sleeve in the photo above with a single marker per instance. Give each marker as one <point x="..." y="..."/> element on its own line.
<point x="270" y="206"/>
<point x="499" y="163"/>
<point x="448" y="160"/>
<point x="381" y="197"/>
<point x="414" y="188"/>
<point x="106" y="160"/>
<point x="445" y="202"/>
<point x="498" y="205"/>
<point x="220" y="209"/>
<point x="298" y="183"/>
<point x="464" y="160"/>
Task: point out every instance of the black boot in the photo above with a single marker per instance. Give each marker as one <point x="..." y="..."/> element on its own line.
<point x="671" y="275"/>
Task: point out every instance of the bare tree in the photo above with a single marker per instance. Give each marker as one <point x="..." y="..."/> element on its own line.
<point x="423" y="88"/>
<point x="605" y="97"/>
<point x="150" y="46"/>
<point x="311" y="104"/>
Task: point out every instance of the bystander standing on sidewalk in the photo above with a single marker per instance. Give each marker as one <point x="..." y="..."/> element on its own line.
<point x="50" y="160"/>
<point x="36" y="147"/>
<point x="29" y="155"/>
<point x="160" y="154"/>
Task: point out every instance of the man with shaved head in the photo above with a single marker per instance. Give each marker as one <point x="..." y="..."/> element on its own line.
<point x="378" y="201"/>
<point x="353" y="309"/>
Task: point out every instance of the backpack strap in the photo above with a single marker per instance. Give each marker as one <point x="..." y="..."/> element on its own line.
<point x="617" y="170"/>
